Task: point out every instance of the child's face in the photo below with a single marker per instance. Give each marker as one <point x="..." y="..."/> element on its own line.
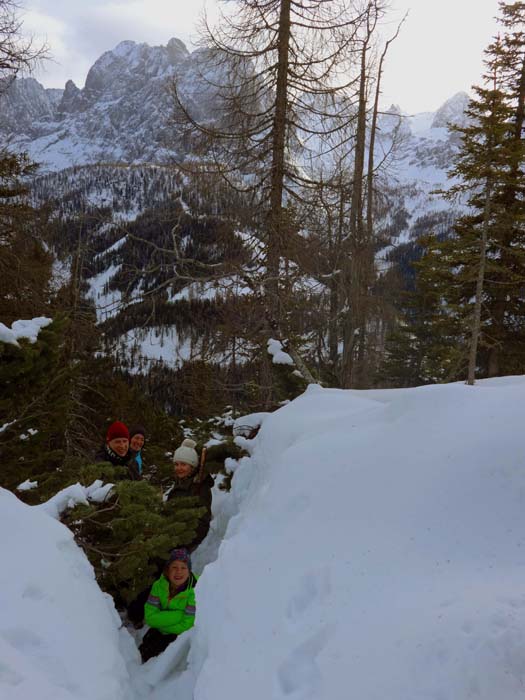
<point x="182" y="469"/>
<point x="178" y="573"/>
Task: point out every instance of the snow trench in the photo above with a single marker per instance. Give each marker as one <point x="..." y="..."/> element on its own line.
<point x="372" y="546"/>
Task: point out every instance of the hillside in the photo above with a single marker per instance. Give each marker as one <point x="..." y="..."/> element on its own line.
<point x="109" y="182"/>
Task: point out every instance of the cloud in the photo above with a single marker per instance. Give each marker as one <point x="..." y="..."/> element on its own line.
<point x="439" y="50"/>
<point x="78" y="32"/>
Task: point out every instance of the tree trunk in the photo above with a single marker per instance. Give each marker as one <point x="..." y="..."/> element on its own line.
<point x="354" y="331"/>
<point x="275" y="217"/>
<point x="476" y="318"/>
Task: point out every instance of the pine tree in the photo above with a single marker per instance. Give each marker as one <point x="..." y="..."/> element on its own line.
<point x="478" y="271"/>
<point x="31" y="409"/>
<point x="129" y="536"/>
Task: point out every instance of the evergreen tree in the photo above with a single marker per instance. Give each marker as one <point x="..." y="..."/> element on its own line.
<point x="129" y="536"/>
<point x="478" y="271"/>
<point x="31" y="408"/>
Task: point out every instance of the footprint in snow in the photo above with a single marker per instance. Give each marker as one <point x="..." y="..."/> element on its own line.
<point x="22" y="638"/>
<point x="299" y="675"/>
<point x="312" y="587"/>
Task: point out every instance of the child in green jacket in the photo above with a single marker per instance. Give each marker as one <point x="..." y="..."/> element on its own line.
<point x="170" y="608"/>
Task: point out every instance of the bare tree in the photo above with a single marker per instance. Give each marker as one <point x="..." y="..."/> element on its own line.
<point x="17" y="53"/>
<point x="284" y="78"/>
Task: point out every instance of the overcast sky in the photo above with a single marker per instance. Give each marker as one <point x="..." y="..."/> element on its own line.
<point x="437" y="54"/>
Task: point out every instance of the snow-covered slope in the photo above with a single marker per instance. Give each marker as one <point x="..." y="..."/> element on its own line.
<point x="422" y="156"/>
<point x="378" y="552"/>
<point x="59" y="634"/>
<point x="374" y="547"/>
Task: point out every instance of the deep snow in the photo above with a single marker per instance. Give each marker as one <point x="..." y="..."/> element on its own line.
<point x="372" y="547"/>
<point x="60" y="637"/>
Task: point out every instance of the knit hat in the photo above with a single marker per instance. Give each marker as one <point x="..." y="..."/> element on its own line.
<point x="117" y="430"/>
<point x="187" y="453"/>
<point x="137" y="430"/>
<point x="180" y="554"/>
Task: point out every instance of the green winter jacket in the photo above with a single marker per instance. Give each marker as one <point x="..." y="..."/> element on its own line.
<point x="173" y="616"/>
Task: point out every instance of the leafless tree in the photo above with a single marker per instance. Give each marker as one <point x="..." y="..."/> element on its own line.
<point x="17" y="52"/>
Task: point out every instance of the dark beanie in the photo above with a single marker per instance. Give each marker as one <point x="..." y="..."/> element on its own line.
<point x="117" y="430"/>
<point x="180" y="554"/>
<point x="137" y="430"/>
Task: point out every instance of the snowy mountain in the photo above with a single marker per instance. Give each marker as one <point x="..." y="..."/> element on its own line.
<point x="371" y="547"/>
<point x="121" y="114"/>
<point x="107" y="150"/>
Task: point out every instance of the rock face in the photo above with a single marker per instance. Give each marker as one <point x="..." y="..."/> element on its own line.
<point x="121" y="114"/>
<point x="25" y="104"/>
<point x="452" y="111"/>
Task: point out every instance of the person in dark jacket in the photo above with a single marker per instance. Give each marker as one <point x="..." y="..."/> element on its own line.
<point x="116" y="447"/>
<point x="137" y="438"/>
<point x="170" y="608"/>
<point x="189" y="481"/>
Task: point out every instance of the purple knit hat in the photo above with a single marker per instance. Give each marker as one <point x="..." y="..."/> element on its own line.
<point x="180" y="554"/>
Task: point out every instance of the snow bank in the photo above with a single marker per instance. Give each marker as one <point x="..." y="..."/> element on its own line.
<point x="377" y="551"/>
<point x="59" y="635"/>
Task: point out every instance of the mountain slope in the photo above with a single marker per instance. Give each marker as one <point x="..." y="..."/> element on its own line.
<point x="121" y="114"/>
<point x="106" y="152"/>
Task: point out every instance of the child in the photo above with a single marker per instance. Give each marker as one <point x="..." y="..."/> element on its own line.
<point x="170" y="608"/>
<point x="189" y="482"/>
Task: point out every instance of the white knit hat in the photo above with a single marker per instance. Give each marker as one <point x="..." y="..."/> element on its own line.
<point x="187" y="453"/>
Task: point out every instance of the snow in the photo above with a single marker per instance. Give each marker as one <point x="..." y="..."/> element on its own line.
<point x="59" y="634"/>
<point x="145" y="345"/>
<point x="107" y="302"/>
<point x="374" y="549"/>
<point x="27" y="485"/>
<point x="213" y="442"/>
<point x="73" y="495"/>
<point x="279" y="357"/>
<point x="28" y="329"/>
<point x="244" y="425"/>
<point x="372" y="546"/>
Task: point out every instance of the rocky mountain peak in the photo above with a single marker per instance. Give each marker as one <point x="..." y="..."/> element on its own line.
<point x="177" y="50"/>
<point x="71" y="98"/>
<point x="452" y="111"/>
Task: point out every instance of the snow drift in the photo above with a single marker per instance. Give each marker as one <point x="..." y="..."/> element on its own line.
<point x="378" y="552"/>
<point x="59" y="634"/>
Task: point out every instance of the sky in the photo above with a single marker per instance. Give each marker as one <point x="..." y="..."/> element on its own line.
<point x="438" y="52"/>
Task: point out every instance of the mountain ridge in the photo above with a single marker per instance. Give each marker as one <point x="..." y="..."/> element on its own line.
<point x="123" y="112"/>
